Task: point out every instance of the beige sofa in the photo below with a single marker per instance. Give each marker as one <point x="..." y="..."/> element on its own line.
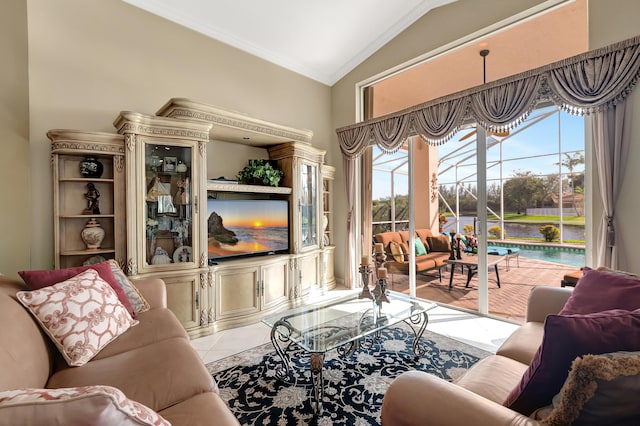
<point x="417" y="398"/>
<point x="399" y="263"/>
<point x="153" y="362"/>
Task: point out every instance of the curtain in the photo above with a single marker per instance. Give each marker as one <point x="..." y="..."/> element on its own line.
<point x="350" y="166"/>
<point x="611" y="139"/>
<point x="591" y="83"/>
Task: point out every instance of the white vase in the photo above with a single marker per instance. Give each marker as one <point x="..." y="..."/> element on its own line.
<point x="92" y="234"/>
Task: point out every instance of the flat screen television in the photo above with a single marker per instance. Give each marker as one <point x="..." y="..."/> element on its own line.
<point x="246" y="227"/>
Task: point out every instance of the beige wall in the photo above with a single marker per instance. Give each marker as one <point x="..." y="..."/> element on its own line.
<point x="15" y="236"/>
<point x="90" y="60"/>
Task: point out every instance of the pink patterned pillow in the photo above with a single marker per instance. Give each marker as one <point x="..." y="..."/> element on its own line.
<point x="98" y="405"/>
<point x="81" y="315"/>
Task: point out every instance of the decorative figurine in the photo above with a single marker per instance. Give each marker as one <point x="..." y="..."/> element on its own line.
<point x="92" y="196"/>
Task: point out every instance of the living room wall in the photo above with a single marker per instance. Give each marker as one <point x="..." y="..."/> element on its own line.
<point x="90" y="60"/>
<point x="609" y="21"/>
<point x="14" y="126"/>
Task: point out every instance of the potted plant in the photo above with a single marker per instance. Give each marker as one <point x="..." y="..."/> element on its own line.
<point x="260" y="172"/>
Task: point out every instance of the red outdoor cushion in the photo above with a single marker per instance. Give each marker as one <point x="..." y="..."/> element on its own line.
<point x="47" y="277"/>
<point x="567" y="337"/>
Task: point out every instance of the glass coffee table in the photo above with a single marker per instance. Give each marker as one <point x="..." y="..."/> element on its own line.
<point x="345" y="324"/>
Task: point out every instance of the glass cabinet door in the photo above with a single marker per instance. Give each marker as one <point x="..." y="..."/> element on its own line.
<point x="309" y="205"/>
<point x="169" y="202"/>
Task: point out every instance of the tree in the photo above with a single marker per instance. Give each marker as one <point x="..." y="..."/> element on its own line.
<point x="523" y="190"/>
<point x="570" y="162"/>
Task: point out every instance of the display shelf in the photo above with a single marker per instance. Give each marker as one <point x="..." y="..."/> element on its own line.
<point x="78" y="197"/>
<point x="258" y="189"/>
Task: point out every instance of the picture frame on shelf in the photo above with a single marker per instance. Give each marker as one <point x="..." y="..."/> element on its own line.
<point x="169" y="164"/>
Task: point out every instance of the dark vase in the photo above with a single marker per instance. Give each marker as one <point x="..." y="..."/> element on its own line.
<point x="91" y="167"/>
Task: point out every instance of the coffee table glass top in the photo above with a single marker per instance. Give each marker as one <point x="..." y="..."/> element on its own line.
<point x="333" y="323"/>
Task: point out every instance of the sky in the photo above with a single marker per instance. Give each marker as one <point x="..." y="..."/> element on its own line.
<point x="549" y="130"/>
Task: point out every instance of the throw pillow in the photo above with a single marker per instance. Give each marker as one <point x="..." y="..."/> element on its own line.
<point x="440" y="243"/>
<point x="598" y="291"/>
<point x="36" y="280"/>
<point x="420" y="248"/>
<point x="98" y="405"/>
<point x="396" y="252"/>
<point x="567" y="337"/>
<point x="138" y="303"/>
<point x="600" y="389"/>
<point x="81" y="315"/>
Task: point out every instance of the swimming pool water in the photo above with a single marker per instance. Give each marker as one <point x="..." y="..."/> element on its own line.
<point x="573" y="256"/>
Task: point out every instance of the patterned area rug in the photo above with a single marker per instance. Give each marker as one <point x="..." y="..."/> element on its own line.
<point x="354" y="386"/>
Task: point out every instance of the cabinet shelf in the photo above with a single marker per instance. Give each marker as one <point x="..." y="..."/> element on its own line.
<point x="233" y="187"/>
<point x="82" y="179"/>
<point x="85" y="216"/>
<point x="86" y="252"/>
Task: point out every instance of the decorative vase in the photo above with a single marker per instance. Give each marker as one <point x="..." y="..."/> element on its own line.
<point x="91" y="167"/>
<point x="181" y="167"/>
<point x="92" y="234"/>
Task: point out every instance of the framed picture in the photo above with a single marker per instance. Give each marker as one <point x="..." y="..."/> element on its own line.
<point x="169" y="164"/>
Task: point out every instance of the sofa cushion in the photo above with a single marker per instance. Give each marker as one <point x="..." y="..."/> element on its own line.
<point x="622" y="292"/>
<point x="25" y="352"/>
<point x="440" y="243"/>
<point x="396" y="251"/>
<point x="98" y="405"/>
<point x="81" y="315"/>
<point x="153" y="326"/>
<point x="158" y="375"/>
<point x="567" y="337"/>
<point x="523" y="343"/>
<point x="600" y="389"/>
<point x="501" y="372"/>
<point x="201" y="410"/>
<point x="138" y="303"/>
<point x="38" y="279"/>
<point x="420" y="248"/>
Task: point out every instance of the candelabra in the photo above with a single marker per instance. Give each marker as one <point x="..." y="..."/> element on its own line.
<point x="365" y="271"/>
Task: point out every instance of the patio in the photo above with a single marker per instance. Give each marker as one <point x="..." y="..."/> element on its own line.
<point x="508" y="302"/>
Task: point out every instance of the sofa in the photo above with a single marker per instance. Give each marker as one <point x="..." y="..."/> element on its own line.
<point x="396" y="246"/>
<point x="575" y="360"/>
<point x="152" y="363"/>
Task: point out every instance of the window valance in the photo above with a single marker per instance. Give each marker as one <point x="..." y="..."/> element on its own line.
<point x="583" y="84"/>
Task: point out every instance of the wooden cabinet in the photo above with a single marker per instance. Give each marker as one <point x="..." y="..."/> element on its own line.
<point x="245" y="290"/>
<point x="78" y="198"/>
<point x="166" y="198"/>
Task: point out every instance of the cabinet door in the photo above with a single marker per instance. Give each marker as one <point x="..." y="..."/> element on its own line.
<point x="275" y="284"/>
<point x="237" y="292"/>
<point x="308" y="205"/>
<point x="170" y="217"/>
<point x="184" y="294"/>
<point x="309" y="272"/>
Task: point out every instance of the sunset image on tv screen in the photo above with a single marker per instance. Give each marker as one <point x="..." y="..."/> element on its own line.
<point x="238" y="227"/>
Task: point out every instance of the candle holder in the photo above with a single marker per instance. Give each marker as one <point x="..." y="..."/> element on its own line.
<point x="380" y="292"/>
<point x="365" y="271"/>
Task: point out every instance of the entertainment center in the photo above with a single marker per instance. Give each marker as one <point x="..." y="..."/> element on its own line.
<point x="229" y="253"/>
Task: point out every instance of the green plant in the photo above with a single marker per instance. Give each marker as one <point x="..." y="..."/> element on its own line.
<point x="261" y="172"/>
<point x="495" y="231"/>
<point x="549" y="232"/>
<point x="468" y="229"/>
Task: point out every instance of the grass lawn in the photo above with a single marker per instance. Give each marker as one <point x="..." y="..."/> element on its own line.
<point x="515" y="217"/>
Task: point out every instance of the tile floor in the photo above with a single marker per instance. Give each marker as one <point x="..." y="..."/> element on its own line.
<point x="483" y="332"/>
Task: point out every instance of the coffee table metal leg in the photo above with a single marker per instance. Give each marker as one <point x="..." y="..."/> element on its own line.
<point x="453" y="267"/>
<point x="423" y="320"/>
<point x="317" y="360"/>
<point x="280" y="332"/>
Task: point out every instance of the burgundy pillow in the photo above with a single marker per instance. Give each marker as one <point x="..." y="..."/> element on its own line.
<point x="36" y="280"/>
<point x="567" y="337"/>
<point x="599" y="291"/>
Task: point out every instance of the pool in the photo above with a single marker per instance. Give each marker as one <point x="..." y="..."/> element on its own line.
<point x="564" y="255"/>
